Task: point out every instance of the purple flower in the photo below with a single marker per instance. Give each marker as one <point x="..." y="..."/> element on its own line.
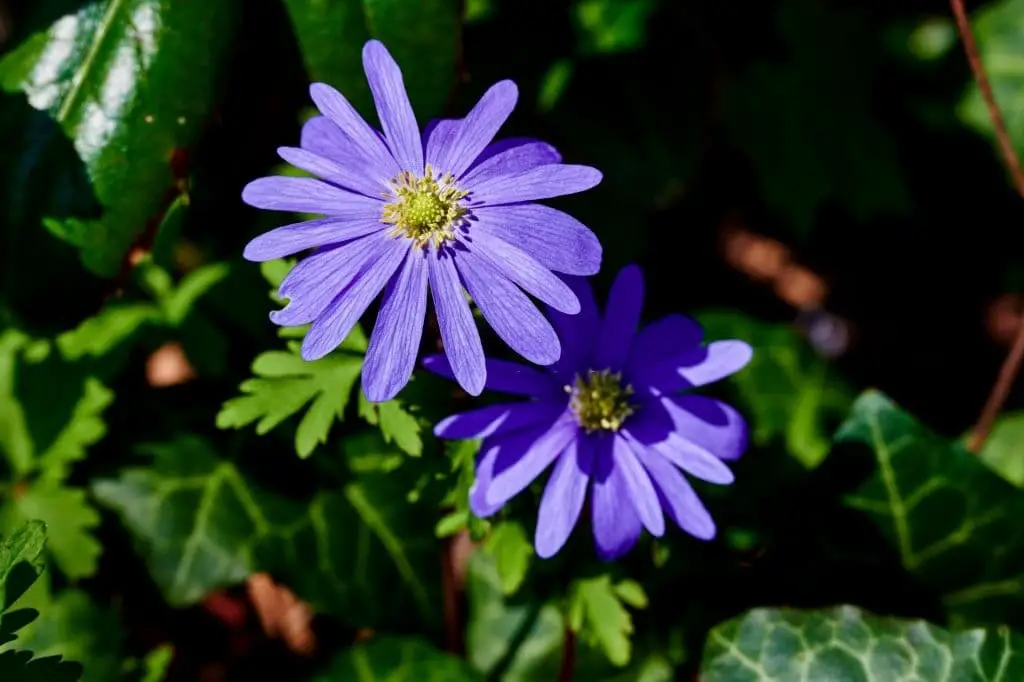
<point x="446" y="210"/>
<point x="615" y="416"/>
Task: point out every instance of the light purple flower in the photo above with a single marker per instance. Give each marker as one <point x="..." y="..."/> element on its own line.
<point x="405" y="213"/>
<point x="615" y="416"/>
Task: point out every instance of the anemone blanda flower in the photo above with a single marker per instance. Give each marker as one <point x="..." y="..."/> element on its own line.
<point x="616" y="418"/>
<point x="407" y="212"/>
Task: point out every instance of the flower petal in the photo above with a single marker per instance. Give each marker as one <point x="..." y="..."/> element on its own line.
<point x="663" y="339"/>
<point x="509" y="157"/>
<point x="346" y="175"/>
<point x="694" y="460"/>
<point x="621" y="317"/>
<point x="541" y="182"/>
<point x="395" y="341"/>
<point x="289" y="239"/>
<point x="504" y="376"/>
<point x="708" y="423"/>
<point x="459" y="334"/>
<point x="309" y="195"/>
<point x="314" y="283"/>
<point x="478" y="128"/>
<point x="717" y="361"/>
<point x="638" y="486"/>
<point x="393" y="107"/>
<point x="563" y="498"/>
<point x="677" y="496"/>
<point x="485" y="459"/>
<point x="320" y="136"/>
<point x="334" y="106"/>
<point x="495" y="420"/>
<point x="575" y="332"/>
<point x="524" y="457"/>
<point x="518" y="267"/>
<point x="331" y="328"/>
<point x="555" y="239"/>
<point x="508" y="310"/>
<point x="617" y="526"/>
<point x="439" y="135"/>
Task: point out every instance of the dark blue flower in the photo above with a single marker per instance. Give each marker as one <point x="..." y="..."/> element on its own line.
<point x="616" y="416"/>
<point x="405" y="213"/>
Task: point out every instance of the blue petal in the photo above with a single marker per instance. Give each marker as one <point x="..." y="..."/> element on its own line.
<point x="621" y="318"/>
<point x="509" y="157"/>
<point x="290" y="239"/>
<point x="708" y="423"/>
<point x="334" y="106"/>
<point x="479" y="127"/>
<point x="459" y="334"/>
<point x="617" y="526"/>
<point x="393" y="107"/>
<point x="522" y="457"/>
<point x="495" y="420"/>
<point x="638" y="485"/>
<point x="563" y="498"/>
<point x="577" y="333"/>
<point x="555" y="239"/>
<point x="676" y="495"/>
<point x="518" y="267"/>
<point x="504" y="376"/>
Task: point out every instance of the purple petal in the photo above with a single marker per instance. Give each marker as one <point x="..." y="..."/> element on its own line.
<point x="576" y="332"/>
<point x="439" y="136"/>
<point x="349" y="176"/>
<point x="485" y="460"/>
<point x="638" y="486"/>
<point x="563" y="498"/>
<point x="334" y="106"/>
<point x="718" y="360"/>
<point x="556" y="240"/>
<point x="289" y="239"/>
<point x="331" y="328"/>
<point x="694" y="460"/>
<point x="320" y="136"/>
<point x="478" y="128"/>
<point x="663" y="339"/>
<point x="709" y="424"/>
<point x="621" y="317"/>
<point x="502" y="146"/>
<point x="393" y="107"/>
<point x="677" y="496"/>
<point x="495" y="420"/>
<point x="514" y="158"/>
<point x="317" y="280"/>
<point x="308" y="195"/>
<point x="509" y="312"/>
<point x="518" y="267"/>
<point x="459" y="334"/>
<point x="542" y="182"/>
<point x="524" y="457"/>
<point x="617" y="526"/>
<point x="395" y="341"/>
<point x="504" y="376"/>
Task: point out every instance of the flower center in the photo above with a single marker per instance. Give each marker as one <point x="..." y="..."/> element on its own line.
<point x="425" y="210"/>
<point x="600" y="401"/>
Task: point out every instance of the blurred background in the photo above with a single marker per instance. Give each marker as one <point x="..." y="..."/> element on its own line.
<point x="815" y="176"/>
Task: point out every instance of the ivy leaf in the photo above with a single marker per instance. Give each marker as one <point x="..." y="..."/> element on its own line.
<point x="512" y="551"/>
<point x="845" y="643"/>
<point x="396" y="424"/>
<point x="596" y="609"/>
<point x="422" y="36"/>
<point x="163" y="58"/>
<point x="362" y="553"/>
<point x="286" y="383"/>
<point x="787" y="387"/>
<point x="954" y="523"/>
<point x="1002" y="450"/>
<point x="394" y="658"/>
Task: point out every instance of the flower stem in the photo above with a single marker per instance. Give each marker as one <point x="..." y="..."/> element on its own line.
<point x="1011" y="365"/>
<point x="565" y="672"/>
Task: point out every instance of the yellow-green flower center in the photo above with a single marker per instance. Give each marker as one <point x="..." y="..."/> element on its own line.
<point x="600" y="401"/>
<point x="426" y="210"/>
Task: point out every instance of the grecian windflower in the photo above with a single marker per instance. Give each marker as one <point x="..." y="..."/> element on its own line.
<point x="616" y="416"/>
<point x="447" y="211"/>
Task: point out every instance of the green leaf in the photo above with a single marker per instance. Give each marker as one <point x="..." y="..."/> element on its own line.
<point x="422" y="36"/>
<point x="1003" y="450"/>
<point x="70" y="519"/>
<point x="396" y="424"/>
<point x="362" y="553"/>
<point x="397" y="658"/>
<point x="15" y="439"/>
<point x="998" y="32"/>
<point x="100" y="334"/>
<point x="21" y="561"/>
<point x="157" y="662"/>
<point x="787" y="387"/>
<point x="596" y="610"/>
<point x="609" y="26"/>
<point x="286" y="383"/>
<point x="845" y="643"/>
<point x="85" y="428"/>
<point x="944" y="512"/>
<point x="512" y="551"/>
<point x="130" y="82"/>
<point x="190" y="289"/>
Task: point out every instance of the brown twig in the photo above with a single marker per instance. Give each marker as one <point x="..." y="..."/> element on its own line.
<point x="565" y="672"/>
<point x="1011" y="365"/>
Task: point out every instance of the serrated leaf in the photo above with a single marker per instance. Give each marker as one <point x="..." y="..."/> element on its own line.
<point x="361" y="553"/>
<point x="19" y="666"/>
<point x="512" y="551"/>
<point x="597" y="611"/>
<point x="396" y="658"/>
<point x="790" y="390"/>
<point x="845" y="643"/>
<point x="100" y="334"/>
<point x="70" y="520"/>
<point x="954" y="523"/>
<point x="190" y="289"/>
<point x="286" y="383"/>
<point x="397" y="425"/>
<point x="422" y="36"/>
<point x="21" y="561"/>
<point x="85" y="428"/>
<point x="162" y="58"/>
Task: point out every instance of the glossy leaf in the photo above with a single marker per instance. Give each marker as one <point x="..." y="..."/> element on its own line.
<point x="131" y="82"/>
<point x="845" y="643"/>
